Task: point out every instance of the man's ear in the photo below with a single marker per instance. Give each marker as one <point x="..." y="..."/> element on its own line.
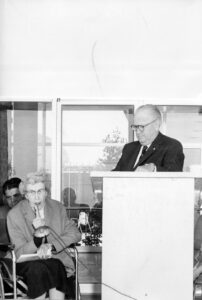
<point x="157" y="124"/>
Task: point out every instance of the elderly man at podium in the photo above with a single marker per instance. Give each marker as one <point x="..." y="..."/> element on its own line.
<point x="152" y="151"/>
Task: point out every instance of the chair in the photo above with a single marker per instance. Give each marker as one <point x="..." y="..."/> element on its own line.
<point x="3" y="231"/>
<point x="13" y="287"/>
<point x="197" y="274"/>
<point x="197" y="288"/>
<point x="8" y="273"/>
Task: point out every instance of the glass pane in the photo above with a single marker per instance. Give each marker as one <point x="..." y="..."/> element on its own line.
<point x="103" y="157"/>
<point x="92" y="140"/>
<point x="94" y="126"/>
<point x="185" y="124"/>
<point x="29" y="128"/>
<point x="90" y="267"/>
<point x="193" y="157"/>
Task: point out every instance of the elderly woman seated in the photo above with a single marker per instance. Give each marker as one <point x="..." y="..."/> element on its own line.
<point x="40" y="225"/>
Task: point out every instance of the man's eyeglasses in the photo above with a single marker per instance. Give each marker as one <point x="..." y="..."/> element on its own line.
<point x="33" y="193"/>
<point x="141" y="127"/>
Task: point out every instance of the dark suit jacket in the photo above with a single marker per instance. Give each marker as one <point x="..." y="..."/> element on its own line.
<point x="165" y="152"/>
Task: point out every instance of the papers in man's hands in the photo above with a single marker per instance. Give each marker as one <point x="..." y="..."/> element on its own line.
<point x="27" y="257"/>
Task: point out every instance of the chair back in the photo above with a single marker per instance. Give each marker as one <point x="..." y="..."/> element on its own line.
<point x="4" y="237"/>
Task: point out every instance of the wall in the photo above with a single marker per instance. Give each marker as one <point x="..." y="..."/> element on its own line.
<point x="125" y="49"/>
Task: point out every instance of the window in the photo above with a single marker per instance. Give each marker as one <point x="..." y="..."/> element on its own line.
<point x="29" y="137"/>
<point x="92" y="140"/>
<point x="184" y="122"/>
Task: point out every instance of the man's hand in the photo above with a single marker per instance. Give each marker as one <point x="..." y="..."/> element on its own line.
<point x="44" y="251"/>
<point x="146" y="168"/>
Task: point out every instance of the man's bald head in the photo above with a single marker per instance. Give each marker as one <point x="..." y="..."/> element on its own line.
<point x="147" y="122"/>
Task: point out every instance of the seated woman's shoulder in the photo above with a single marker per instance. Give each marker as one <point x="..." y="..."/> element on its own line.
<point x="54" y="203"/>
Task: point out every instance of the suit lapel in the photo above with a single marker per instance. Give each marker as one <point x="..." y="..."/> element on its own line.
<point x="48" y="213"/>
<point x="28" y="214"/>
<point x="134" y="156"/>
<point x="151" y="150"/>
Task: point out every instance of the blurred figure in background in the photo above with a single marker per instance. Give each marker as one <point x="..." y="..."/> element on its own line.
<point x="69" y="200"/>
<point x="11" y="196"/>
<point x="11" y="192"/>
<point x="96" y="211"/>
<point x="197" y="205"/>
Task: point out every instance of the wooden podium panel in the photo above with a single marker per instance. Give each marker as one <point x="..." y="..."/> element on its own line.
<point x="147" y="236"/>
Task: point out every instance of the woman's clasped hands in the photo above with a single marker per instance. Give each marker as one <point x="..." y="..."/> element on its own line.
<point x="45" y="251"/>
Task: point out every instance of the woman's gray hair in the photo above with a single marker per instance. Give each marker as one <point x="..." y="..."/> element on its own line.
<point x="33" y="178"/>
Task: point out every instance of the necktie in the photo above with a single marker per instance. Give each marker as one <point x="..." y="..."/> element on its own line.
<point x="144" y="150"/>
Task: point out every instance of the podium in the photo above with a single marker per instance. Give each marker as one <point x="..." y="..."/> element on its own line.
<point x="148" y="221"/>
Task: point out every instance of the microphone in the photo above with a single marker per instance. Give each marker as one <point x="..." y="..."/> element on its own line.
<point x="42" y="230"/>
<point x="36" y="208"/>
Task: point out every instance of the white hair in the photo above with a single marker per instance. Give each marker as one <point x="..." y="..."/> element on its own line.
<point x="33" y="178"/>
<point x="152" y="108"/>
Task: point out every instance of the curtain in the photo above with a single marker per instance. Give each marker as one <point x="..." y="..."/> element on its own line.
<point x="3" y="149"/>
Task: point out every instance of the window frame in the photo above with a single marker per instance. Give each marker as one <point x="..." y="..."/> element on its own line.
<point x="77" y="104"/>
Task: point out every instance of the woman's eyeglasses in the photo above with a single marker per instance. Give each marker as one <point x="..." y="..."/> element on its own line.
<point x="33" y="193"/>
